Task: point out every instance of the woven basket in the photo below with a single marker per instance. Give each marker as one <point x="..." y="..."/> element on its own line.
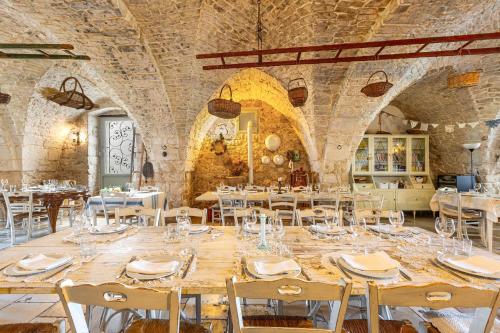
<point x="72" y="98"/>
<point x="4" y="98"/>
<point x="376" y="89"/>
<point x="298" y="95"/>
<point x="224" y="108"/>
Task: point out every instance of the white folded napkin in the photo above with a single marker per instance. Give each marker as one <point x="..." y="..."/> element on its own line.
<point x="267" y="268"/>
<point x="42" y="262"/>
<point x="477" y="264"/>
<point x="142" y="266"/>
<point x="378" y="261"/>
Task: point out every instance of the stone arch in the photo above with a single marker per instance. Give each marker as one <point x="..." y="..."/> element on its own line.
<point x="254" y="84"/>
<point x="354" y="112"/>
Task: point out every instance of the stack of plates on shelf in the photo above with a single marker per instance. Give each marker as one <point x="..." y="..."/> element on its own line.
<point x="272" y="267"/>
<point x="479" y="266"/>
<point x="154" y="267"/>
<point x="36" y="264"/>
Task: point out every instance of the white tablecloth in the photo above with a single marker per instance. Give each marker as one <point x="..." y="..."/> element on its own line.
<point x="145" y="199"/>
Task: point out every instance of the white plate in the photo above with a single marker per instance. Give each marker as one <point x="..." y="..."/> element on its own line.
<point x="443" y="260"/>
<point x="250" y="267"/>
<point x="14" y="270"/>
<point x="106" y="230"/>
<point x="255" y="229"/>
<point x="157" y="258"/>
<point x="388" y="274"/>
<point x="198" y="229"/>
<point x="324" y="229"/>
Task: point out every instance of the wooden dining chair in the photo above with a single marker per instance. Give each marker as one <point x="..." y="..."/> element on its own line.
<point x="111" y="201"/>
<point x="19" y="209"/>
<point x="139" y="213"/>
<point x="58" y="326"/>
<point x="316" y="215"/>
<point x="119" y="297"/>
<point x="201" y="214"/>
<point x="286" y="290"/>
<point x="325" y="200"/>
<point x="367" y="201"/>
<point x="229" y="202"/>
<point x="436" y="296"/>
<point x="286" y="204"/>
<point x="451" y="206"/>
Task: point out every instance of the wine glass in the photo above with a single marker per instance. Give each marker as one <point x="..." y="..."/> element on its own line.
<point x="183" y="226"/>
<point x="353" y="228"/>
<point x="4" y="183"/>
<point x="445" y="227"/>
<point x="477" y="187"/>
<point x="181" y="214"/>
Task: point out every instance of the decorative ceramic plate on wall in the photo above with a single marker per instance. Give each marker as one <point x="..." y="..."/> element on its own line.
<point x="278" y="159"/>
<point x="272" y="142"/>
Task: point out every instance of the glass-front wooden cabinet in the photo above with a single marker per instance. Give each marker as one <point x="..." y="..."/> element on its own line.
<point x="380" y="154"/>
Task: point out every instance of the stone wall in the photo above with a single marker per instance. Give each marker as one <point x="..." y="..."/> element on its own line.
<point x="210" y="171"/>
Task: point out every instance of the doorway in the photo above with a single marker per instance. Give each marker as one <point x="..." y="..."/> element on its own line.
<point x="116" y="147"/>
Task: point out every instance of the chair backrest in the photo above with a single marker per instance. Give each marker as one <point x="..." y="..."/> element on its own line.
<point x="371" y="216"/>
<point x="140" y="212"/>
<point x="344" y="189"/>
<point x="367" y="200"/>
<point x="112" y="200"/>
<point x="317" y="214"/>
<point x="23" y="204"/>
<point x="437" y="295"/>
<point x="325" y="200"/>
<point x="386" y="214"/>
<point x="230" y="201"/>
<point x="115" y="296"/>
<point x="288" y="290"/>
<point x="226" y="189"/>
<point x="189" y="211"/>
<point x="282" y="201"/>
<point x="448" y="200"/>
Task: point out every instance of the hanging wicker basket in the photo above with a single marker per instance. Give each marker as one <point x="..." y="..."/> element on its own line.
<point x="298" y="94"/>
<point x="70" y="97"/>
<point x="4" y="98"/>
<point x="376" y="89"/>
<point x="224" y="108"/>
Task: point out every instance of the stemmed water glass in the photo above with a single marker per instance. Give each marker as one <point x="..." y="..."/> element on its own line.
<point x="445" y="227"/>
<point x="353" y="229"/>
<point x="4" y="183"/>
<point x="396" y="219"/>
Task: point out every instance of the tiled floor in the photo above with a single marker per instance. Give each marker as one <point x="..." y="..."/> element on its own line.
<point x="47" y="308"/>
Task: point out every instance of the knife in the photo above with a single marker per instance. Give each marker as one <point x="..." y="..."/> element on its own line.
<point x="188" y="264"/>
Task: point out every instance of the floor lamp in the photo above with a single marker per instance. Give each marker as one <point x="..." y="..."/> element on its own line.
<point x="471" y="147"/>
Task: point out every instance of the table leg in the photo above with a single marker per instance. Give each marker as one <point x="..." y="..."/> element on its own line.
<point x="52" y="204"/>
<point x="489" y="234"/>
<point x="198" y="309"/>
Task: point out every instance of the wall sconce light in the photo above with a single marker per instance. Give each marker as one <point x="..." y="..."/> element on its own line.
<point x="76" y="137"/>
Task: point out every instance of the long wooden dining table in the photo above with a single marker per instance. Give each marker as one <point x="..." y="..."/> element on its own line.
<point x="219" y="255"/>
<point x="212" y="196"/>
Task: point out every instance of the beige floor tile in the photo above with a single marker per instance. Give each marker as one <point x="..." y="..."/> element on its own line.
<point x="22" y="312"/>
<point x="55" y="310"/>
<point x="40" y="298"/>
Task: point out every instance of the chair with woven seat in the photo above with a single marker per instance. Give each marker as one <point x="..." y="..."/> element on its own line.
<point x="59" y="326"/>
<point x="119" y="297"/>
<point x="229" y="202"/>
<point x="286" y="204"/>
<point x="317" y="215"/>
<point x="111" y="201"/>
<point x="200" y="214"/>
<point x="287" y="290"/>
<point x="20" y="211"/>
<point x="451" y="206"/>
<point x="437" y="295"/>
<point x="140" y="214"/>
